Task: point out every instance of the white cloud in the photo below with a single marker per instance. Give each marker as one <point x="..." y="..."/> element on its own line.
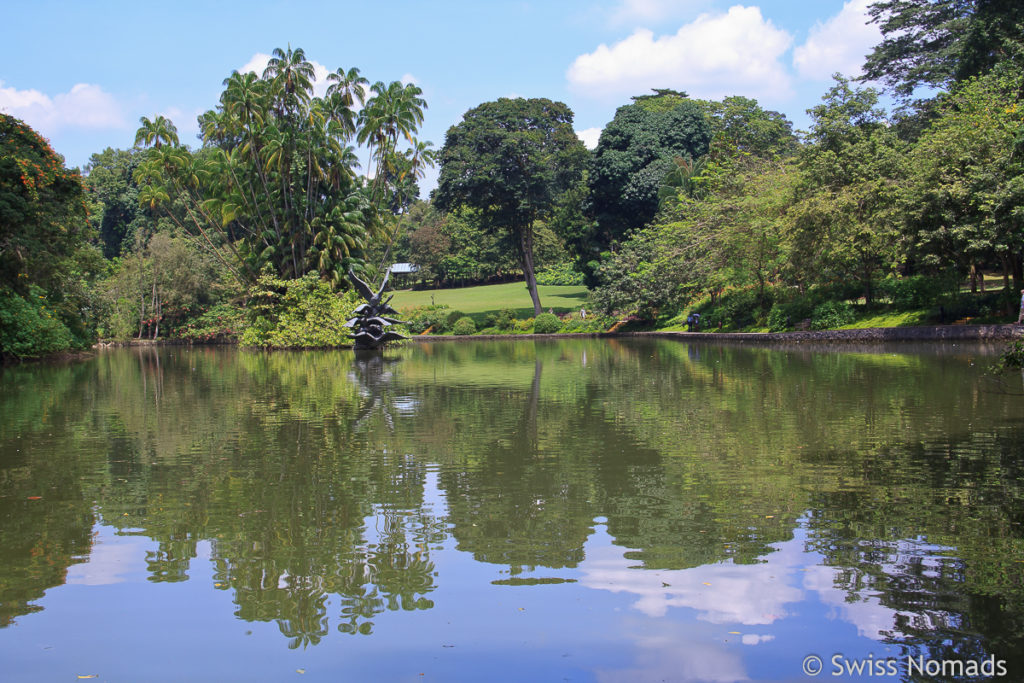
<point x="839" y="44"/>
<point x="256" y="64"/>
<point x="713" y="56"/>
<point x="589" y="136"/>
<point x="723" y="593"/>
<point x="84" y="106"/>
<point x="408" y="79"/>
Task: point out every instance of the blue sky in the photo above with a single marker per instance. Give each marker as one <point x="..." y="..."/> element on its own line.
<point x="82" y="73"/>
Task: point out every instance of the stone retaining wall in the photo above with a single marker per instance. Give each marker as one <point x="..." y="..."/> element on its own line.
<point x="868" y="335"/>
<point x="871" y="334"/>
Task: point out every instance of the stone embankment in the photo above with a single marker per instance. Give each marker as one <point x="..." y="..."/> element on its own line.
<point x="870" y="335"/>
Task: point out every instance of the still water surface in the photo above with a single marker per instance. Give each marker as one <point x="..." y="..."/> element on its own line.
<point x="586" y="510"/>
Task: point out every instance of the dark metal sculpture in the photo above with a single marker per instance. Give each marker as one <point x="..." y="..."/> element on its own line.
<point x="374" y="317"/>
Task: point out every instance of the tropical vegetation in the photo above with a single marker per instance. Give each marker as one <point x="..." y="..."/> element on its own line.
<point x="685" y="205"/>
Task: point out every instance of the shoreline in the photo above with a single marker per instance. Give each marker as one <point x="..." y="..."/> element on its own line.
<point x="919" y="333"/>
<point x="867" y="337"/>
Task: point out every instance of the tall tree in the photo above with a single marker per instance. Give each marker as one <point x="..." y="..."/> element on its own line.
<point x="511" y="159"/>
<point x="44" y="250"/>
<point x="634" y="154"/>
<point x="275" y="184"/>
<point x="935" y="43"/>
<point x="115" y="197"/>
<point x="845" y="224"/>
<point x="964" y="188"/>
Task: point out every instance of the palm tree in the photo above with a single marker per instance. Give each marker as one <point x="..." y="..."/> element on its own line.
<point x="292" y="77"/>
<point x="160" y="131"/>
<point x="394" y="111"/>
<point x="349" y="85"/>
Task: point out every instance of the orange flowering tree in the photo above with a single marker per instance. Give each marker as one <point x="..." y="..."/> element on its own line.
<point x="43" y="230"/>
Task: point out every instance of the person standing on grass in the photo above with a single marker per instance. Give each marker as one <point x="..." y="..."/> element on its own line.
<point x="1020" y="316"/>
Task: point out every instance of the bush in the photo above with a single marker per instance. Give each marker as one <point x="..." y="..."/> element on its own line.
<point x="832" y="314"/>
<point x="523" y="326"/>
<point x="423" y="318"/>
<point x="546" y="323"/>
<point x="302" y="313"/>
<point x="1012" y="357"/>
<point x="737" y="308"/>
<point x="560" y="274"/>
<point x="592" y="323"/>
<point x="221" y="323"/>
<point x="788" y="313"/>
<point x="464" y="325"/>
<point x="28" y="329"/>
<point x="452" y="318"/>
<point x="988" y="305"/>
<point x="916" y="291"/>
<point x="506" y="319"/>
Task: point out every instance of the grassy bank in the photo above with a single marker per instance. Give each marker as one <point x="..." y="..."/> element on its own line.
<point x="479" y="301"/>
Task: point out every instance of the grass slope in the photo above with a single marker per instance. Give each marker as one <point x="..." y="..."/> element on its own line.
<point x="478" y="301"/>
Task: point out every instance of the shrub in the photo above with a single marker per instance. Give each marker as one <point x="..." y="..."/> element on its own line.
<point x="523" y="326"/>
<point x="452" y="318"/>
<point x="546" y="323"/>
<point x="423" y="318"/>
<point x="302" y="313"/>
<point x="832" y="314"/>
<point x="220" y="323"/>
<point x="28" y="329"/>
<point x="564" y="273"/>
<point x="737" y="308"/>
<point x="916" y="291"/>
<point x="464" y="325"/>
<point x="1012" y="357"/>
<point x="506" y="319"/>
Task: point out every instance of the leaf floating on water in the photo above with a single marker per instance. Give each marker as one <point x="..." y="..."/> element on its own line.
<point x="300" y="671"/>
<point x="734" y="633"/>
<point x="35" y="497"/>
<point x="89" y="676"/>
<point x="706" y="583"/>
<point x="769" y="516"/>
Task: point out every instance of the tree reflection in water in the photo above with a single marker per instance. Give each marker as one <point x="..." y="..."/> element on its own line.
<point x="325" y="484"/>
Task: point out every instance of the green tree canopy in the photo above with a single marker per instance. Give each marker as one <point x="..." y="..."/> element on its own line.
<point x="845" y="225"/>
<point x="634" y="154"/>
<point x="275" y="184"/>
<point x="44" y="253"/>
<point x="965" y="180"/>
<point x="111" y="186"/>
<point x="511" y="160"/>
<point x="938" y="42"/>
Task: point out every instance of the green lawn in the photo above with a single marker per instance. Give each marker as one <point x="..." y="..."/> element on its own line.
<point x="478" y="301"/>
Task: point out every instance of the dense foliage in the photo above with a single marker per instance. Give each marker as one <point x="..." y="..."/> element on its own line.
<point x="510" y="160"/>
<point x="275" y="184"/>
<point x="46" y="262"/>
<point x="686" y="205"/>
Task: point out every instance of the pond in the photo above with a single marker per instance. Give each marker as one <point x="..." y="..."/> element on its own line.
<point x="580" y="509"/>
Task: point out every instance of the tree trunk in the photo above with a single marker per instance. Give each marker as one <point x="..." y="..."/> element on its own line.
<point x="142" y="313"/>
<point x="1018" y="272"/>
<point x="526" y="252"/>
<point x="155" y="305"/>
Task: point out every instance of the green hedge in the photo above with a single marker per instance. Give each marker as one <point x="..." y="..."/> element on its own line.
<point x="29" y="328"/>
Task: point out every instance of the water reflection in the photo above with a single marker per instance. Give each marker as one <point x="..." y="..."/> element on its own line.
<point x="713" y="489"/>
